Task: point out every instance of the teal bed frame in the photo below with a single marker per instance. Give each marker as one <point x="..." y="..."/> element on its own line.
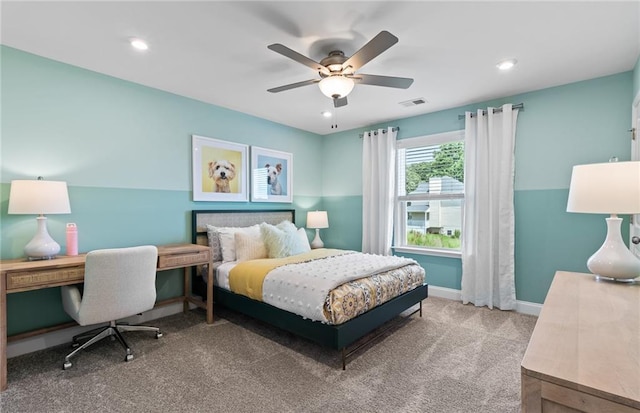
<point x="340" y="337"/>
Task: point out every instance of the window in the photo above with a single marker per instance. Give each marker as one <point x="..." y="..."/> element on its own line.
<point x="430" y="187"/>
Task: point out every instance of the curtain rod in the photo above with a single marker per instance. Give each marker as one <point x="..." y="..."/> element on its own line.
<point x="393" y="129"/>
<point x="484" y="112"/>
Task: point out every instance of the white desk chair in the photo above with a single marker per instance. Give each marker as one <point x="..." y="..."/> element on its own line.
<point x="118" y="283"/>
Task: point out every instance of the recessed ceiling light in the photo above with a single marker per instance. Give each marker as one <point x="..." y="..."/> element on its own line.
<point x="506" y="64"/>
<point x="139" y="44"/>
<point x="326" y="114"/>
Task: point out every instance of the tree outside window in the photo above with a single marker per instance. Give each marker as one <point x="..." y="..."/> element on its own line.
<point x="430" y="180"/>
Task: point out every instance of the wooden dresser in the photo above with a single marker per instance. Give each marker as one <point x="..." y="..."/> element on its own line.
<point x="584" y="354"/>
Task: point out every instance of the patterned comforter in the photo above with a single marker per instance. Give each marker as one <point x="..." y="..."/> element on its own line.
<point x="357" y="297"/>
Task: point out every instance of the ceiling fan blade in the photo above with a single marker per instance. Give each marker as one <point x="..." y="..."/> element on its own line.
<point x="339" y="102"/>
<point x="293" y="85"/>
<point x="292" y="54"/>
<point x="376" y="46"/>
<point x="388" y="81"/>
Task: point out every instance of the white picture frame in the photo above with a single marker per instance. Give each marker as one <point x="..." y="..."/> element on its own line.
<point x="271" y="175"/>
<point x="220" y="170"/>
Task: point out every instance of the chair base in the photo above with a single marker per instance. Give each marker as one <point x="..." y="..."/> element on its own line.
<point x="95" y="335"/>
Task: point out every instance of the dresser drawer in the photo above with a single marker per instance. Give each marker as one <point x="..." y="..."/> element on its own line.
<point x="182" y="260"/>
<point x="26" y="280"/>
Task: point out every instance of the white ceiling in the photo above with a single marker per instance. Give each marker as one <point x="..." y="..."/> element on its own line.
<point x="217" y="52"/>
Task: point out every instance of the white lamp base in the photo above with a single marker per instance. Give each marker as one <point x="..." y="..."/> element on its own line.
<point x="317" y="242"/>
<point x="42" y="246"/>
<point x="614" y="260"/>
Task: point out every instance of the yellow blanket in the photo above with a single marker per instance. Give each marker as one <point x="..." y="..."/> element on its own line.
<point x="246" y="277"/>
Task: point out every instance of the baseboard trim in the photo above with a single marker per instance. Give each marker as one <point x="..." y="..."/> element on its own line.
<point x="55" y="338"/>
<point x="524" y="307"/>
<point x="448" y="293"/>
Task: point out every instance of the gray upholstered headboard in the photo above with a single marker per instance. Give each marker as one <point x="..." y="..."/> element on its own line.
<point x="220" y="218"/>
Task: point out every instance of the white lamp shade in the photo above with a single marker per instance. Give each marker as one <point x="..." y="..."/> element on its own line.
<point x="38" y="197"/>
<point x="605" y="188"/>
<point x="317" y="219"/>
<point x="336" y="86"/>
<point x="608" y="188"/>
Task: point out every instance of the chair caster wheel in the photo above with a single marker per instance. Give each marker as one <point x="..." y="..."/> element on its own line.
<point x="158" y="334"/>
<point x="128" y="357"/>
<point x="66" y="365"/>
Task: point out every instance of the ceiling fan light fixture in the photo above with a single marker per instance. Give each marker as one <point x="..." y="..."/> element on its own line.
<point x="336" y="86"/>
<point x="337" y="71"/>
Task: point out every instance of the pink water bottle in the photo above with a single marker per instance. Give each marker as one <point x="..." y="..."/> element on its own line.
<point x="72" y="239"/>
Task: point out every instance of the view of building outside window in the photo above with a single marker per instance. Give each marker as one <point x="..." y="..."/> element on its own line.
<point x="431" y="195"/>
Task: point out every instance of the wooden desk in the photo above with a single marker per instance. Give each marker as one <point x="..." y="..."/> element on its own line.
<point x="584" y="354"/>
<point x="20" y="275"/>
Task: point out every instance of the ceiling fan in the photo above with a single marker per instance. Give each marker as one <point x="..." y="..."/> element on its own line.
<point x="337" y="72"/>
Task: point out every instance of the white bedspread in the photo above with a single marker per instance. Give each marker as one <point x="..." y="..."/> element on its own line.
<point x="222" y="274"/>
<point x="302" y="288"/>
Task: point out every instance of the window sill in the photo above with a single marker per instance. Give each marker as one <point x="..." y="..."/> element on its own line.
<point x="426" y="251"/>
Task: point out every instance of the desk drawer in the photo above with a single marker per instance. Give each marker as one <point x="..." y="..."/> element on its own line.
<point x="29" y="279"/>
<point x="183" y="260"/>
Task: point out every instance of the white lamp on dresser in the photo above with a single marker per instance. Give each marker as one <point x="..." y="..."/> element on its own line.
<point x="39" y="197"/>
<point x="608" y="188"/>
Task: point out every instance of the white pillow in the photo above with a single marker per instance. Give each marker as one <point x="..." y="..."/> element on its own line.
<point x="304" y="240"/>
<point x="228" y="241"/>
<point x="249" y="246"/>
<point x="282" y="240"/>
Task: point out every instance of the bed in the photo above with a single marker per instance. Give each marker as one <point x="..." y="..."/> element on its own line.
<point x="328" y="326"/>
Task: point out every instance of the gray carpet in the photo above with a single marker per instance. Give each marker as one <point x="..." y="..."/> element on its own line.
<point x="455" y="358"/>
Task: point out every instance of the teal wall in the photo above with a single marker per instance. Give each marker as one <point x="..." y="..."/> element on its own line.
<point x="583" y="122"/>
<point x="125" y="152"/>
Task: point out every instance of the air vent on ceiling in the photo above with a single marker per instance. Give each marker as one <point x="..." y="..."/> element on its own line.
<point x="414" y="102"/>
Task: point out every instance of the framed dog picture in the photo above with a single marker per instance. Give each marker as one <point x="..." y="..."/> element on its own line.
<point x="271" y="175"/>
<point x="220" y="170"/>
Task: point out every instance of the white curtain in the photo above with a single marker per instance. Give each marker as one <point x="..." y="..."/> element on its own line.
<point x="378" y="190"/>
<point x="488" y="236"/>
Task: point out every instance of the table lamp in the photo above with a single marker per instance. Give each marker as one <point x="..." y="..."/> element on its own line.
<point x="317" y="220"/>
<point x="39" y="197"/>
<point x="608" y="188"/>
